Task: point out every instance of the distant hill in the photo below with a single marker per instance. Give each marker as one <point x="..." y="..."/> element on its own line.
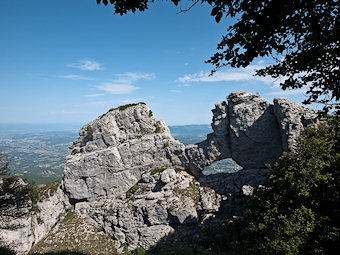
<point x="38" y="152"/>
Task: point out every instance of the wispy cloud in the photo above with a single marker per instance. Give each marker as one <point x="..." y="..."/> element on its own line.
<point x="76" y="77"/>
<point x="239" y="74"/>
<point x="174" y="91"/>
<point x="94" y="95"/>
<point x="87" y="64"/>
<point x="124" y="83"/>
<point x="116" y="88"/>
<point x="286" y="92"/>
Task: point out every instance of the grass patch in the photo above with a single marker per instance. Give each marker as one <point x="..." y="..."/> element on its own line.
<point x="157" y="129"/>
<point x="157" y="170"/>
<point x="178" y="170"/>
<point x="166" y="144"/>
<point x="124" y="107"/>
<point x="74" y="152"/>
<point x="131" y="191"/>
<point x="69" y="217"/>
<point x="89" y="131"/>
<point x="192" y="191"/>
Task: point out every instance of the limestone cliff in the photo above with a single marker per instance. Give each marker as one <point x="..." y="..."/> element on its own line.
<point x="128" y="175"/>
<point x="24" y="222"/>
<point x="113" y="151"/>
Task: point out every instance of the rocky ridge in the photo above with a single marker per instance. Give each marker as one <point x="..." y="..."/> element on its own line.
<point x="128" y="176"/>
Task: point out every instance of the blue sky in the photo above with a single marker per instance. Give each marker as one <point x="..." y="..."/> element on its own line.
<point x="69" y="61"/>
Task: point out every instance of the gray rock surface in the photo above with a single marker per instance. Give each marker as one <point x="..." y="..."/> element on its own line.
<point x="23" y="224"/>
<point x="167" y="208"/>
<point x="114" y="151"/>
<point x="292" y="118"/>
<point x="251" y="131"/>
<point x="123" y="174"/>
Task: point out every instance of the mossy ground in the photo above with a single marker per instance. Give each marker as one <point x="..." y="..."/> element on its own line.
<point x="75" y="236"/>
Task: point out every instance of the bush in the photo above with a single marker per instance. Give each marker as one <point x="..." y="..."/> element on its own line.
<point x="157" y="170"/>
<point x="298" y="210"/>
<point x="132" y="191"/>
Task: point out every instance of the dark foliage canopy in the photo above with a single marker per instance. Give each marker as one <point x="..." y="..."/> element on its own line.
<point x="297" y="211"/>
<point x="301" y="35"/>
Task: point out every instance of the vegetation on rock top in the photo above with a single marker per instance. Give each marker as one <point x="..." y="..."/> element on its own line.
<point x="126" y="106"/>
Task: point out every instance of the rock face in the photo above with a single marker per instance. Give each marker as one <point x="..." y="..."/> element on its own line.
<point x="168" y="207"/>
<point x="22" y="223"/>
<point x="130" y="177"/>
<point x="121" y="175"/>
<point x="251" y="131"/>
<point x="114" y="151"/>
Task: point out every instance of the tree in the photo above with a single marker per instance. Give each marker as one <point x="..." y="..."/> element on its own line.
<point x="297" y="211"/>
<point x="301" y="35"/>
<point x="4" y="163"/>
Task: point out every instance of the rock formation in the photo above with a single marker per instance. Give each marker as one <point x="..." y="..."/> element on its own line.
<point x="169" y="207"/>
<point x="22" y="222"/>
<point x="114" y="150"/>
<point x="130" y="177"/>
<point x="251" y="131"/>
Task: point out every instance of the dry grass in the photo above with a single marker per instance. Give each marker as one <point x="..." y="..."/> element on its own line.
<point x="75" y="236"/>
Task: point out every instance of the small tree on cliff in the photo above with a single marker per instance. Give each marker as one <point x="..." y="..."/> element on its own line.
<point x="298" y="210"/>
<point x="4" y="163"/>
<point x="302" y="36"/>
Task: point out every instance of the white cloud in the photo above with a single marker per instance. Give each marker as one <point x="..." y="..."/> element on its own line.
<point x="116" y="88"/>
<point x="239" y="74"/>
<point x="94" y="95"/>
<point x="174" y="91"/>
<point x="186" y="63"/>
<point x="76" y="77"/>
<point x="286" y="92"/>
<point x="87" y="64"/>
<point x="124" y="83"/>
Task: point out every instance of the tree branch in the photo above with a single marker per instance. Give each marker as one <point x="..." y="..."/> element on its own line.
<point x="189" y="8"/>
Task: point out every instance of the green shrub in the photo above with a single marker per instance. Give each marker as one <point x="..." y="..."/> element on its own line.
<point x="89" y="131"/>
<point x="6" y="251"/>
<point x="298" y="210"/>
<point x="74" y="152"/>
<point x="157" y="129"/>
<point x="150" y="113"/>
<point x="178" y="170"/>
<point x="131" y="191"/>
<point x="166" y="144"/>
<point x="69" y="217"/>
<point x="124" y="107"/>
<point x="157" y="170"/>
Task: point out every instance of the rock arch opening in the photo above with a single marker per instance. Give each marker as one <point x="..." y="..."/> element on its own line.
<point x="227" y="165"/>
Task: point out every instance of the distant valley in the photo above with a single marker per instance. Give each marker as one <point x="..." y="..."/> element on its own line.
<point x="38" y="153"/>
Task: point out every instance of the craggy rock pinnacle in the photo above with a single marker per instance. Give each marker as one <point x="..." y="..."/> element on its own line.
<point x="113" y="151"/>
<point x="251" y="131"/>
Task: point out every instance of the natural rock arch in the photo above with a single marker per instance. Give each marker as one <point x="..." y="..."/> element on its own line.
<point x="113" y="151"/>
<point x="251" y="131"/>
